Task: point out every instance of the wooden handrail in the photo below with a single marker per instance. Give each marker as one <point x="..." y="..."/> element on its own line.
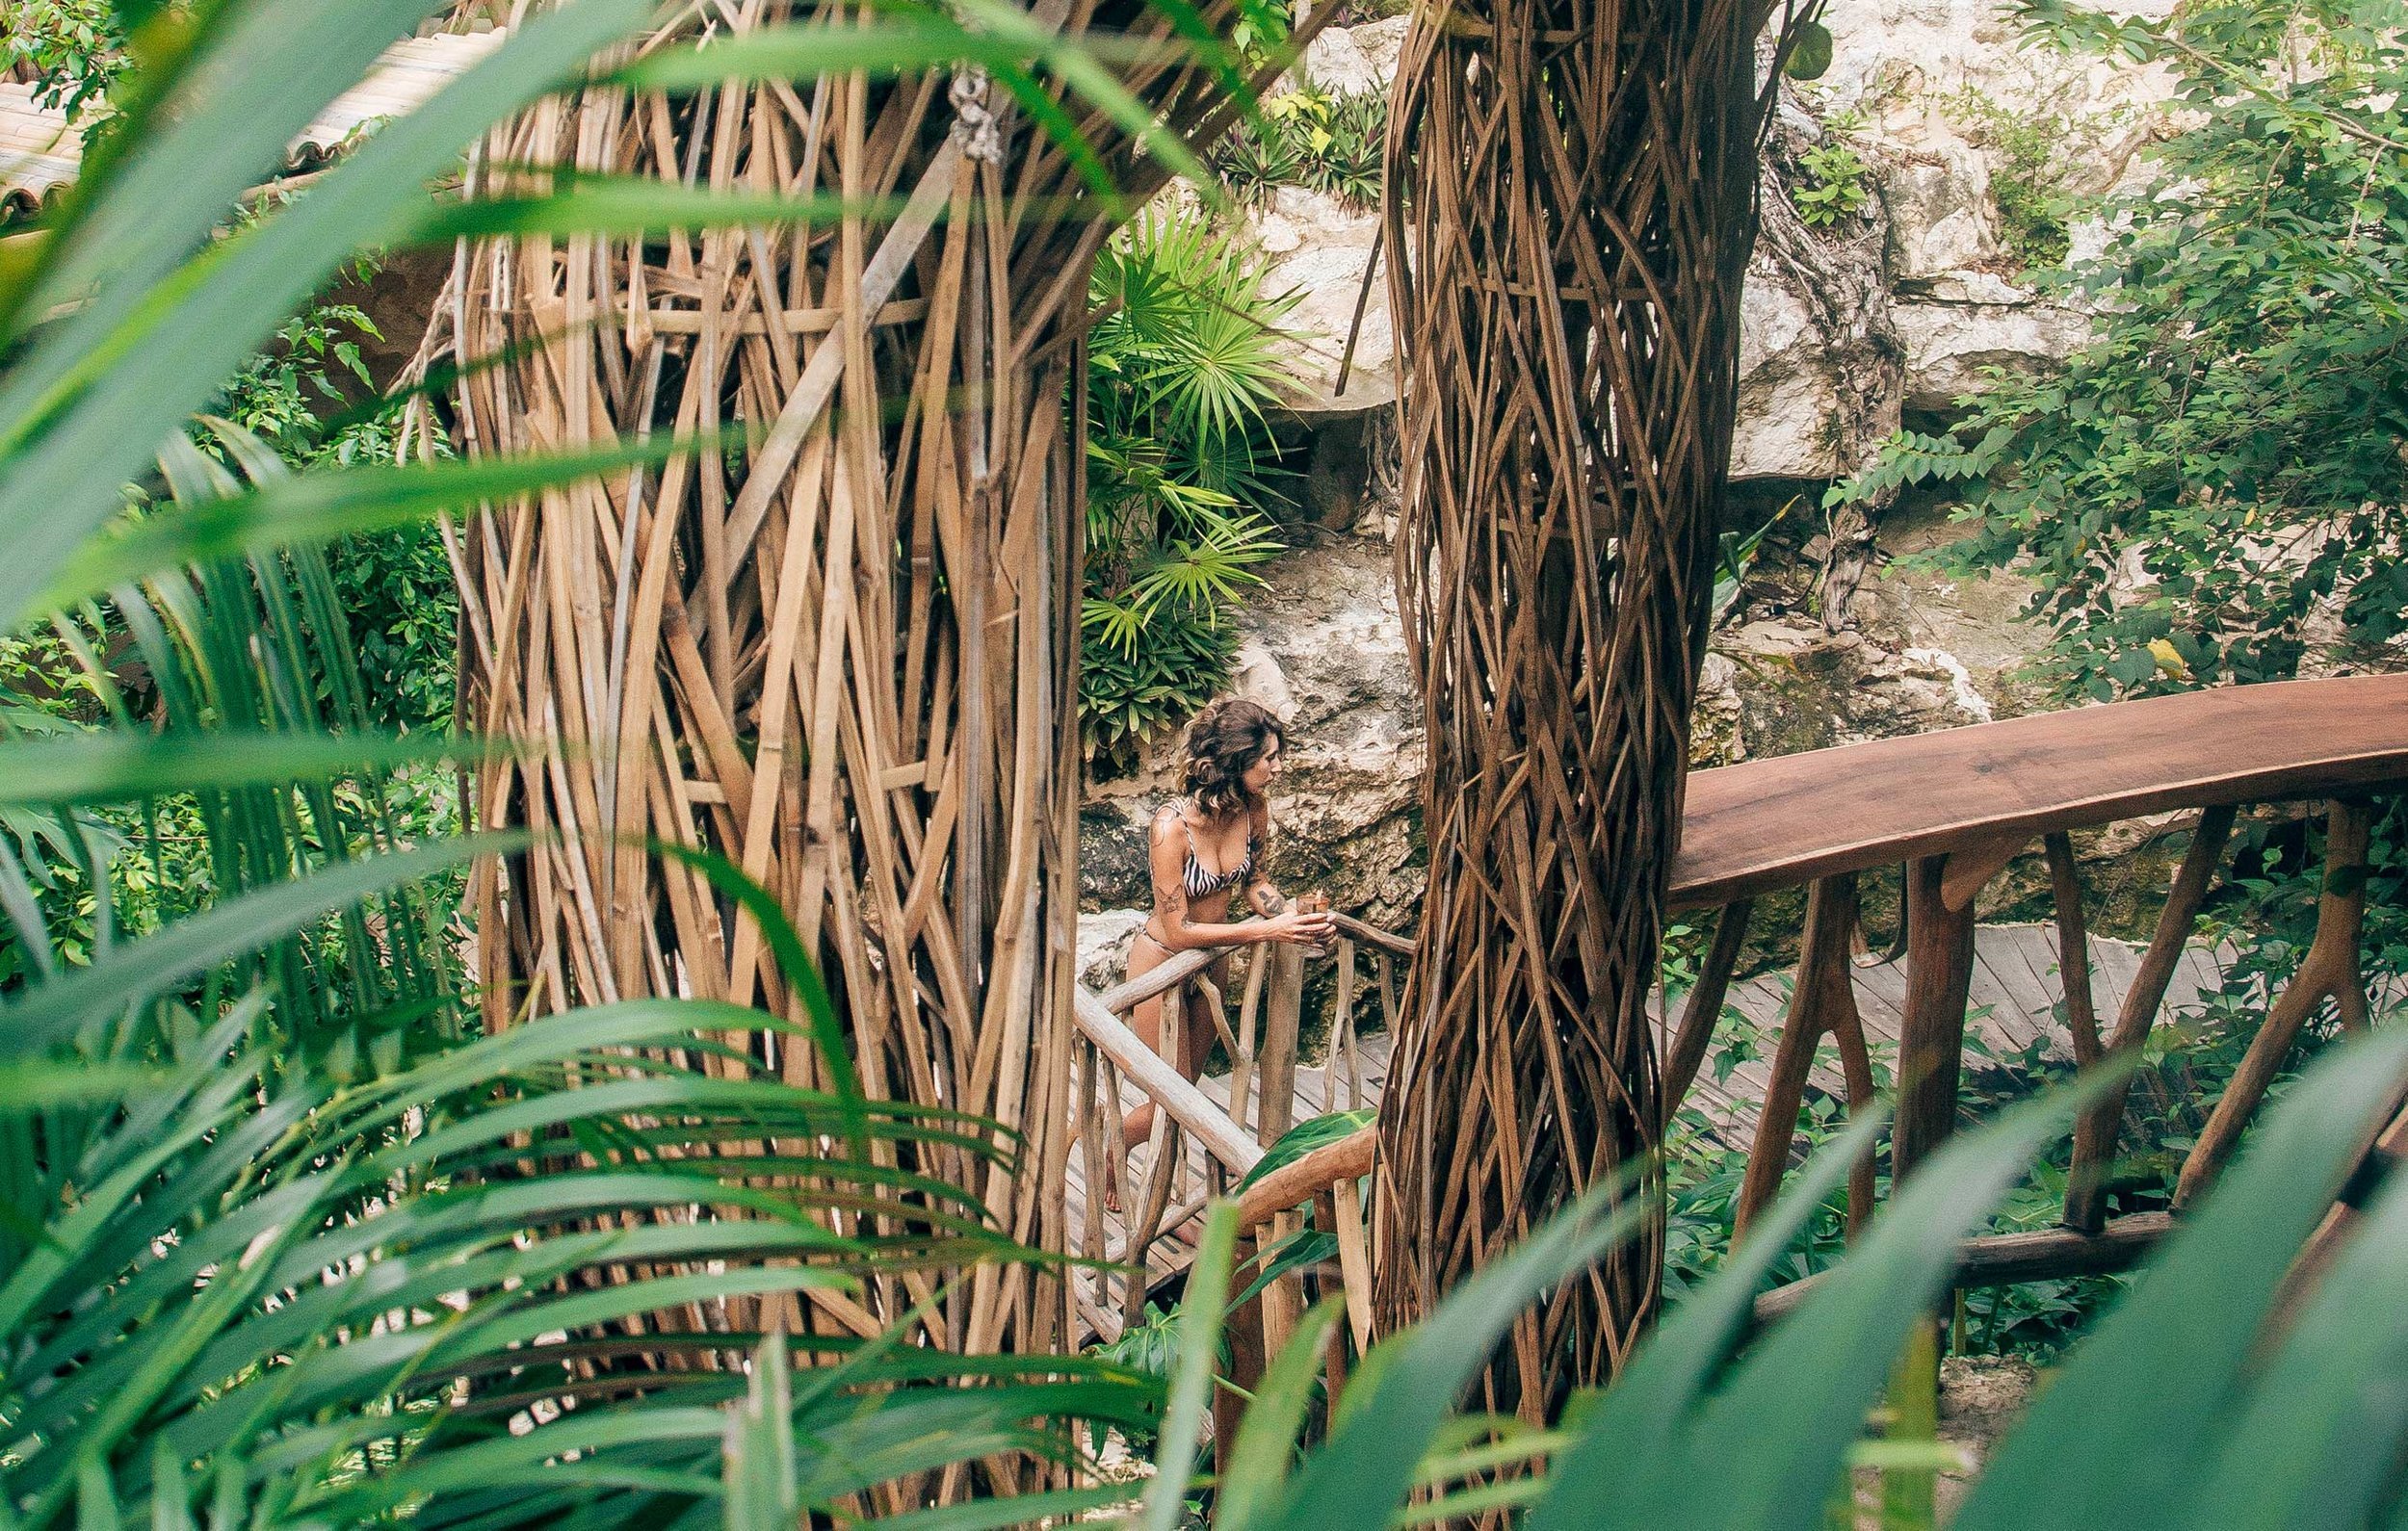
<point x="1302" y="1179"/>
<point x="2005" y="1260"/>
<point x="1372" y="935"/>
<point x="1791" y="820"/>
<point x="1188" y="1107"/>
<point x="1130" y="993"/>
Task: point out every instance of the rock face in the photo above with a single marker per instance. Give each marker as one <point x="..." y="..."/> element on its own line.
<point x="1318" y="249"/>
<point x="1904" y="305"/>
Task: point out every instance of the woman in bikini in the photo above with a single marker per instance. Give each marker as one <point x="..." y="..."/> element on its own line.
<point x="1207" y="850"/>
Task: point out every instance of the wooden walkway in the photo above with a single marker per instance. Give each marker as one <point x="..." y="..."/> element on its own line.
<point x="2012" y="1007"/>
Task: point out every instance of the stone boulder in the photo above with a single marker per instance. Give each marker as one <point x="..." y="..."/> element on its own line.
<point x="1104" y="938"/>
<point x="1318" y="249"/>
<point x="1937" y="195"/>
<point x="1959" y="328"/>
<point x="1355" y="60"/>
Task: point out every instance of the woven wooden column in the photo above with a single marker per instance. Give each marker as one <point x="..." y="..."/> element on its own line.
<point x="836" y="648"/>
<point x="1572" y="191"/>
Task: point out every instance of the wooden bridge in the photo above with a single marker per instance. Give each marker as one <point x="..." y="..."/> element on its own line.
<point x="1953" y="809"/>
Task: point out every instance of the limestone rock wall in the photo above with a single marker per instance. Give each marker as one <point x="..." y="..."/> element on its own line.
<point x="1899" y="307"/>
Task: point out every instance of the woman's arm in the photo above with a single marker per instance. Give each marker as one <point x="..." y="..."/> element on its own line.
<point x="1260" y="896"/>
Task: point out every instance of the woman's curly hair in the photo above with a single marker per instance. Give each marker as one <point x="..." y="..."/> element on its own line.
<point x="1223" y="744"/>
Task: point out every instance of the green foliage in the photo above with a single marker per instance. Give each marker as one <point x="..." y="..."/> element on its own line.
<point x="2030" y="179"/>
<point x="73" y="50"/>
<point x="2222" y="462"/>
<point x="1310" y="138"/>
<point x="1181" y="474"/>
<point x="1834" y="183"/>
<point x="1712" y="1426"/>
<point x="395" y="586"/>
<point x="1810" y="51"/>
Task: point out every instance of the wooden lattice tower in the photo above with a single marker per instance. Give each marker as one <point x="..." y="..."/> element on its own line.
<point x="838" y="649"/>
<point x="1572" y="196"/>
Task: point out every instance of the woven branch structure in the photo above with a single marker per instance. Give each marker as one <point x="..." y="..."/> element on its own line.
<point x="1572" y="196"/>
<point x="838" y="647"/>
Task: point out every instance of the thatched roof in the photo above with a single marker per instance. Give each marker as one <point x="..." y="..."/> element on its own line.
<point x="39" y="151"/>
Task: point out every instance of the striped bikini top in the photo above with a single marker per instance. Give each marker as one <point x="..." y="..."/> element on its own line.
<point x="1200" y="881"/>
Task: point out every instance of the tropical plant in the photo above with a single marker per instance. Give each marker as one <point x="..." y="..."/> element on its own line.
<point x="2216" y="476"/>
<point x="282" y="1236"/>
<point x="1307" y="137"/>
<point x="1255" y="160"/>
<point x="1181" y="471"/>
<point x="1351" y="165"/>
<point x="2278" y="1422"/>
<point x="1834" y="184"/>
<point x="2030" y="180"/>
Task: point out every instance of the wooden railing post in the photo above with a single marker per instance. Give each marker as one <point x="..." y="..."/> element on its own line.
<point x="2095" y="1134"/>
<point x="1823" y="1000"/>
<point x="1283" y="1011"/>
<point x="1688" y="1051"/>
<point x="1931" y="1033"/>
<point x="2330" y="970"/>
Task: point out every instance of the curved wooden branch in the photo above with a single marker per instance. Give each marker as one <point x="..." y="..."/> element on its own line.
<point x="1349" y="1158"/>
<point x="1185" y="1104"/>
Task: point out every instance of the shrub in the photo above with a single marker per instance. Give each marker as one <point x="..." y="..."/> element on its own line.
<point x="1181" y="474"/>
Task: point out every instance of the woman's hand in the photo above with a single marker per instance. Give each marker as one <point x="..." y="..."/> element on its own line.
<point x="1299" y="929"/>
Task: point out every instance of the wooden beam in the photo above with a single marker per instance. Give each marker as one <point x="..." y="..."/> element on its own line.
<point x="2096" y="1132"/>
<point x="1122" y="997"/>
<point x="2330" y="970"/>
<point x="1788" y="820"/>
<point x="1298" y="1180"/>
<point x="1688" y="1051"/>
<point x="2003" y="1260"/>
<point x="1970" y="867"/>
<point x="1169" y="1090"/>
<point x="1931" y="1034"/>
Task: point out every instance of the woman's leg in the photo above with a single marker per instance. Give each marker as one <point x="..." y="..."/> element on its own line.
<point x="1145" y="1019"/>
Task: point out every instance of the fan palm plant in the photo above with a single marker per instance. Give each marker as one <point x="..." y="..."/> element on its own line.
<point x="1183" y="371"/>
<point x="281" y="1239"/>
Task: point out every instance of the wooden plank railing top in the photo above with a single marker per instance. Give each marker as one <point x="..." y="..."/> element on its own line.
<point x="1788" y="820"/>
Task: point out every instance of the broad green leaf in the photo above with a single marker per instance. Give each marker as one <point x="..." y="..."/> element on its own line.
<point x="118" y="767"/>
<point x="1630" y="1442"/>
<point x="1410" y="1380"/>
<point x="54" y="1012"/>
<point x="1810" y="52"/>
<point x="1200" y="1320"/>
<point x="2111" y="1443"/>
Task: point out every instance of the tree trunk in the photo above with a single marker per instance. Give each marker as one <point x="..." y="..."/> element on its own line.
<point x="836" y="646"/>
<point x="1572" y="189"/>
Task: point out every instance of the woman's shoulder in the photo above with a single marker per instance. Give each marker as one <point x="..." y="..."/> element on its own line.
<point x="1171" y="820"/>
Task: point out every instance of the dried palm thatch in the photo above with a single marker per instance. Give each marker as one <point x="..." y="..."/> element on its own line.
<point x="1572" y="196"/>
<point x="837" y="650"/>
